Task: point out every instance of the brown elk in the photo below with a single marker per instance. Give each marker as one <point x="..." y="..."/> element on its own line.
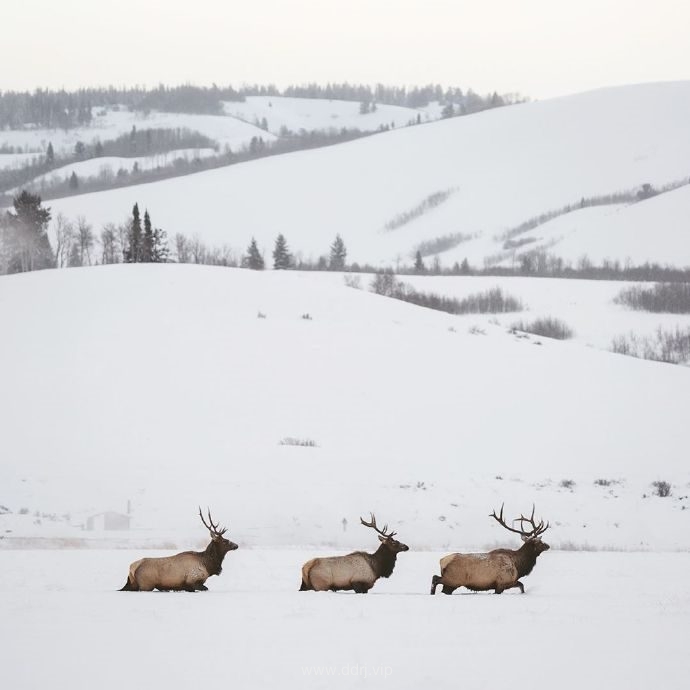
<point x="186" y="571"/>
<point x="500" y="569"/>
<point x="357" y="571"/>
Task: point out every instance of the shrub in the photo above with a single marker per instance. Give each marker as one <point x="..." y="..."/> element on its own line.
<point x="605" y="482"/>
<point x="353" y="281"/>
<point x="548" y="327"/>
<point x="290" y="441"/>
<point x="670" y="298"/>
<point x="568" y="484"/>
<point x="662" y="489"/>
<point x="671" y="346"/>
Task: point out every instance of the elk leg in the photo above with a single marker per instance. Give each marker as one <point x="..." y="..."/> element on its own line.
<point x="447" y="589"/>
<point x="201" y="587"/>
<point x="360" y="587"/>
<point x="435" y="581"/>
<point x="519" y="585"/>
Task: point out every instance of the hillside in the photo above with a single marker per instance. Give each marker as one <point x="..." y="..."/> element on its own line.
<point x="173" y="386"/>
<point x="495" y="169"/>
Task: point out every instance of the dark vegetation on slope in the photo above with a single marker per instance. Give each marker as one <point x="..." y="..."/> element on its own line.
<point x="670" y="298"/>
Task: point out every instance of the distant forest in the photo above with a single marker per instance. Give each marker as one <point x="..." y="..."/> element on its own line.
<point x="67" y="109"/>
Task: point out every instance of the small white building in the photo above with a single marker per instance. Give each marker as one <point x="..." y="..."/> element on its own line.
<point x="109" y="520"/>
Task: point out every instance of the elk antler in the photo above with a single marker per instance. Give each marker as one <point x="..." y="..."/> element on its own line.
<point x="212" y="528"/>
<point x="536" y="530"/>
<point x="372" y="524"/>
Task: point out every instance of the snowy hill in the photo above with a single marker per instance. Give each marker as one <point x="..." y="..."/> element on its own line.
<point x="290" y="404"/>
<point x="492" y="171"/>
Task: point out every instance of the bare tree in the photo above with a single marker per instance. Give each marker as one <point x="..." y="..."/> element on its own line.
<point x="84" y="238"/>
<point x="111" y="252"/>
<point x="64" y="234"/>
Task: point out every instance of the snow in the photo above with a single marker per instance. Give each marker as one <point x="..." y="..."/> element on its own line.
<point x="586" y="620"/>
<point x="161" y="387"/>
<point x="94" y="167"/>
<point x="110" y="124"/>
<point x="507" y="165"/>
<point x="317" y="113"/>
<point x="654" y="230"/>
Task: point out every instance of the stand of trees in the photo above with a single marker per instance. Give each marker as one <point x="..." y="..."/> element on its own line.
<point x="67" y="109"/>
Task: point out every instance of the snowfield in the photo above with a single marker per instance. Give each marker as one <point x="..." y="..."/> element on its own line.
<point x="498" y="169"/>
<point x="158" y="388"/>
<point x="164" y="386"/>
<point x="586" y="620"/>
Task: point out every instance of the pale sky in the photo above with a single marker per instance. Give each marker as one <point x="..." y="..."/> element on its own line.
<point x="539" y="48"/>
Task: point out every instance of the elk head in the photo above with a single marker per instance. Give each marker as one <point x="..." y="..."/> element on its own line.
<point x="531" y="535"/>
<point x="385" y="537"/>
<point x="222" y="544"/>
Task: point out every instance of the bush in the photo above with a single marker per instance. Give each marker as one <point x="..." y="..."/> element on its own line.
<point x="672" y="346"/>
<point x="290" y="441"/>
<point x="670" y="298"/>
<point x="567" y="484"/>
<point x="662" y="489"/>
<point x="605" y="482"/>
<point x="492" y="301"/>
<point x="548" y="327"/>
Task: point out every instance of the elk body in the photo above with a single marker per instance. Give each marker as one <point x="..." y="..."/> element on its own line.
<point x="500" y="569"/>
<point x="186" y="571"/>
<point x="357" y="571"/>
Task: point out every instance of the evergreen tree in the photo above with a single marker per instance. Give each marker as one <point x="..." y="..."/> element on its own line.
<point x="338" y="255"/>
<point x="132" y="254"/>
<point x="24" y="243"/>
<point x="50" y="154"/>
<point x="419" y="266"/>
<point x="282" y="259"/>
<point x="253" y="259"/>
<point x="465" y="267"/>
<point x="79" y="150"/>
<point x="147" y="240"/>
<point x="160" y="251"/>
<point x="73" y="181"/>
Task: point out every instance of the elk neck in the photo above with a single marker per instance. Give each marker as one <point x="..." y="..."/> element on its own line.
<point x="213" y="558"/>
<point x="383" y="561"/>
<point x="526" y="558"/>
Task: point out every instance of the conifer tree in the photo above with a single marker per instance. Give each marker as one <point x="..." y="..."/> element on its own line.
<point x="253" y="259"/>
<point x="24" y="243"/>
<point x="147" y="240"/>
<point x="419" y="266"/>
<point x="160" y="249"/>
<point x="50" y="154"/>
<point x="338" y="255"/>
<point x="282" y="258"/>
<point x="132" y="254"/>
<point x="73" y="181"/>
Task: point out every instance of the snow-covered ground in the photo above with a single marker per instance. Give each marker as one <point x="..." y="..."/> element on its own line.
<point x="165" y="386"/>
<point x="586" y="620"/>
<point x="110" y="124"/>
<point x="318" y="113"/>
<point x="502" y="167"/>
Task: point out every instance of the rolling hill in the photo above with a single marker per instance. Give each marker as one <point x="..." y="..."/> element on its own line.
<point x="477" y="176"/>
<point x="296" y="403"/>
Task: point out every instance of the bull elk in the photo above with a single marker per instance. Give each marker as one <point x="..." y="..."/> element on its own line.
<point x="185" y="571"/>
<point x="500" y="569"/>
<point x="357" y="571"/>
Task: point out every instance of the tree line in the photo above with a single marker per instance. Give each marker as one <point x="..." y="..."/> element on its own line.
<point x="61" y="109"/>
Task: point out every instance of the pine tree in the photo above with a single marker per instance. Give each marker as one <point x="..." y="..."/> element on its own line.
<point x="253" y="259"/>
<point x="73" y="181"/>
<point x="132" y="254"/>
<point x="23" y="237"/>
<point x="338" y="255"/>
<point x="465" y="267"/>
<point x="282" y="258"/>
<point x="159" y="254"/>
<point x="50" y="154"/>
<point x="419" y="266"/>
<point x="147" y="240"/>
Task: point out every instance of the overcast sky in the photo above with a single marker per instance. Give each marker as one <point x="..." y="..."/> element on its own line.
<point x="539" y="48"/>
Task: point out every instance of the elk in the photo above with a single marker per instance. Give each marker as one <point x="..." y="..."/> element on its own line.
<point x="186" y="571"/>
<point x="500" y="569"/>
<point x="357" y="571"/>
